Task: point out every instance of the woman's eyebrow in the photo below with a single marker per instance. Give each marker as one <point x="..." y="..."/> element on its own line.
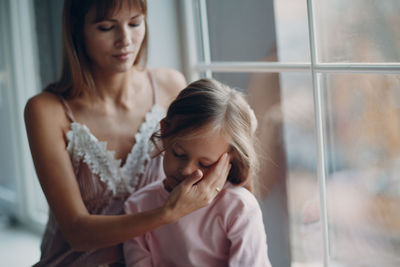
<point x="114" y="20"/>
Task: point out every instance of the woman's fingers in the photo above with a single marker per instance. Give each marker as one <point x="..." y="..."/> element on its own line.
<point x="197" y="191"/>
<point x="193" y="179"/>
<point x="216" y="178"/>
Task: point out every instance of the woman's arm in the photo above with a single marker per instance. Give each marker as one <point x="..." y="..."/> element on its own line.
<point x="46" y="124"/>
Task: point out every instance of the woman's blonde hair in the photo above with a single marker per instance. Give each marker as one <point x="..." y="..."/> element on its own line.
<point x="207" y="102"/>
<point x="76" y="74"/>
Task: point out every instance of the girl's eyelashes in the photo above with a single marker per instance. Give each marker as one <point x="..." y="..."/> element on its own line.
<point x="182" y="156"/>
<point x="205" y="166"/>
<point x="177" y="154"/>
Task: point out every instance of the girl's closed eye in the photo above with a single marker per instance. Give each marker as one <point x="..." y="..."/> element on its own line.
<point x="205" y="166"/>
<point x="178" y="155"/>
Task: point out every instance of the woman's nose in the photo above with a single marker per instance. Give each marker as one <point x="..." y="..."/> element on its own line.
<point x="124" y="38"/>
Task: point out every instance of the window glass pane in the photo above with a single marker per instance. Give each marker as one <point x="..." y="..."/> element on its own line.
<point x="288" y="186"/>
<point x="48" y="17"/>
<point x="302" y="182"/>
<point x="8" y="176"/>
<point x="291" y="26"/>
<point x="357" y="30"/>
<point x="257" y="30"/>
<point x="363" y="184"/>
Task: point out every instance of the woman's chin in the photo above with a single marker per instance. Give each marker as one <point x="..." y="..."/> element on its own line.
<point x="123" y="68"/>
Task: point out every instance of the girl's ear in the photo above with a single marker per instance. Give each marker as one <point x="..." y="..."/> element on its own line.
<point x="231" y="156"/>
<point x="163" y="128"/>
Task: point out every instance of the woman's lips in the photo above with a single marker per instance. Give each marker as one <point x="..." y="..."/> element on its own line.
<point x="122" y="56"/>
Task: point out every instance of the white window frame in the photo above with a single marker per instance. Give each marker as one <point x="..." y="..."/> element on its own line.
<point x="314" y="67"/>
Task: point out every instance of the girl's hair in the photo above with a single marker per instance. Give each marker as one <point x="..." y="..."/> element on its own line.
<point x="207" y="102"/>
<point x="76" y="74"/>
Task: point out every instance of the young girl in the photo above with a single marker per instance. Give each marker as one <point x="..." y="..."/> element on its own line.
<point x="206" y="122"/>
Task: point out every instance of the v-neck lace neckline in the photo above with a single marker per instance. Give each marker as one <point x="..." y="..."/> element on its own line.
<point x="112" y="152"/>
<point x="82" y="143"/>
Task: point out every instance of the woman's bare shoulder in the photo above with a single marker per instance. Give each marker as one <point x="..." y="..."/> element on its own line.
<point x="170" y="82"/>
<point x="45" y="108"/>
<point x="43" y="100"/>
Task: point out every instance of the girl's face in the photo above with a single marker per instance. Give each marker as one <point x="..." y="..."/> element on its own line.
<point x="113" y="44"/>
<point x="186" y="155"/>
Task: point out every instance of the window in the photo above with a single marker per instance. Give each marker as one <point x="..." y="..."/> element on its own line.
<point x="323" y="79"/>
<point x="20" y="193"/>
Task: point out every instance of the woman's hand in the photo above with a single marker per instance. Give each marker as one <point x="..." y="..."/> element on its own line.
<point x="197" y="191"/>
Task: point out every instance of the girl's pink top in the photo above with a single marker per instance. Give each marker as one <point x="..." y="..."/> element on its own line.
<point x="104" y="186"/>
<point x="228" y="232"/>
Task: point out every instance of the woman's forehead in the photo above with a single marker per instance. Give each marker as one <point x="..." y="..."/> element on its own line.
<point x="107" y="9"/>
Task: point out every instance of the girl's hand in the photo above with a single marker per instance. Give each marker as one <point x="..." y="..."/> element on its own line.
<point x="197" y="191"/>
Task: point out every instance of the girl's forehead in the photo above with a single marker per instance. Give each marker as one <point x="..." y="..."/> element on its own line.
<point x="203" y="135"/>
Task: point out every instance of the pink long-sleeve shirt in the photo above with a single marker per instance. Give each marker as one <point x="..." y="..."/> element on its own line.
<point x="228" y="232"/>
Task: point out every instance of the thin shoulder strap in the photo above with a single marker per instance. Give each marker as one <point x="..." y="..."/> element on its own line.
<point x="67" y="110"/>
<point x="153" y="85"/>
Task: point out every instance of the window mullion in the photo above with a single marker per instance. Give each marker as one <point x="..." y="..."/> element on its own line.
<point x="243" y="66"/>
<point x="253" y="67"/>
<point x="189" y="35"/>
<point x="205" y="35"/>
<point x="319" y="122"/>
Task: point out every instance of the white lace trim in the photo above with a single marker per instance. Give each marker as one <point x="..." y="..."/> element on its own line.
<point x="84" y="146"/>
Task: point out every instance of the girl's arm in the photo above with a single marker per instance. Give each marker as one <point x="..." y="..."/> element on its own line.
<point x="136" y="250"/>
<point x="136" y="253"/>
<point x="45" y="124"/>
<point x="247" y="234"/>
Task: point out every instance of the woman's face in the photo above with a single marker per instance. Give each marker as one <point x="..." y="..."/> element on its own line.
<point x="113" y="43"/>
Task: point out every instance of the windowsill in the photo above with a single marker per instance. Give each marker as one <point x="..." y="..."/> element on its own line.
<point x="18" y="245"/>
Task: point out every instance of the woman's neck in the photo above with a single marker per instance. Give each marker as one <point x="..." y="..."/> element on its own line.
<point x="117" y="88"/>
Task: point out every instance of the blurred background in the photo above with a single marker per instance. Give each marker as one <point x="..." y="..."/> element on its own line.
<point x="324" y="81"/>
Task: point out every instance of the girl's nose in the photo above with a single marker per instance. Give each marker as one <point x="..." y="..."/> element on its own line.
<point x="124" y="38"/>
<point x="187" y="168"/>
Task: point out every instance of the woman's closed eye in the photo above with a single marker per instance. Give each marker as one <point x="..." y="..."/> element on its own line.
<point x="105" y="28"/>
<point x="135" y="24"/>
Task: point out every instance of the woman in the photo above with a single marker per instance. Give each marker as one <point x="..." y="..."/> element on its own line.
<point x="104" y="94"/>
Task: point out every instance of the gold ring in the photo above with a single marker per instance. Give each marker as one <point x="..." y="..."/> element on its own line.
<point x="218" y="189"/>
